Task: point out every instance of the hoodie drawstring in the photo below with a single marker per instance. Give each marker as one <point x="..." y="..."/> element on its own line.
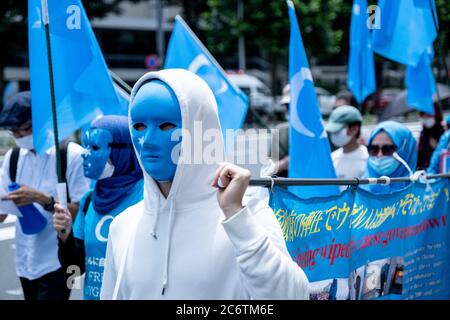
<point x="155" y="222"/>
<point x="169" y="238"/>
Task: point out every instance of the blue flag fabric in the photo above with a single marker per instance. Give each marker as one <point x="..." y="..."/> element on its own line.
<point x="407" y="30"/>
<point x="361" y="67"/>
<point x="185" y="51"/>
<point x="309" y="149"/>
<point x="420" y="84"/>
<point x="362" y="246"/>
<point x="83" y="86"/>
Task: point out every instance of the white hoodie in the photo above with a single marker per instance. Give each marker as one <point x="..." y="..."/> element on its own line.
<point x="181" y="247"/>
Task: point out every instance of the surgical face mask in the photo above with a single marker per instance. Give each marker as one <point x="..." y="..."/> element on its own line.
<point x="155" y="115"/>
<point x="428" y="122"/>
<point x="25" y="142"/>
<point x="340" y="138"/>
<point x="96" y="155"/>
<point x="383" y="166"/>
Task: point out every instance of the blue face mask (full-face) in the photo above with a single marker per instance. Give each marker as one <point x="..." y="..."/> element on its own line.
<point x="385" y="165"/>
<point x="155" y="114"/>
<point x="97" y="145"/>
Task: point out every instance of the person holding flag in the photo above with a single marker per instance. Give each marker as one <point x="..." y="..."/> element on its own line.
<point x="41" y="274"/>
<point x="194" y="236"/>
<point x="109" y="159"/>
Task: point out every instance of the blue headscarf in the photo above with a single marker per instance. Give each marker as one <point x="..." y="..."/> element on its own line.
<point x="109" y="192"/>
<point x="406" y="149"/>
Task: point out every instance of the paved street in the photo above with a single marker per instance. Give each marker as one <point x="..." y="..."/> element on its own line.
<point x="10" y="288"/>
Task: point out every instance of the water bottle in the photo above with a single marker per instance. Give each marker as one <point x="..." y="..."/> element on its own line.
<point x="32" y="220"/>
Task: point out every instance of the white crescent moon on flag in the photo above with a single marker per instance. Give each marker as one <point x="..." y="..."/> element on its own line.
<point x="297" y="84"/>
<point x="201" y="61"/>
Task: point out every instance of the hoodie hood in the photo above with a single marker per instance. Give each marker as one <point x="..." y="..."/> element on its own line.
<point x="192" y="182"/>
<point x="191" y="187"/>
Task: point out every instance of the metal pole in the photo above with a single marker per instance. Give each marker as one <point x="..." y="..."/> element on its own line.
<point x="160" y="45"/>
<point x="241" y="43"/>
<point x="120" y="82"/>
<point x="46" y="21"/>
<point x="268" y="182"/>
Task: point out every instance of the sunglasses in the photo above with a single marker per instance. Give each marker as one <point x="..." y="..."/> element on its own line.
<point x="386" y="150"/>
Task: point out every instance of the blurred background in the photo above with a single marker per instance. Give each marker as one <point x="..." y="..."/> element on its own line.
<point x="248" y="38"/>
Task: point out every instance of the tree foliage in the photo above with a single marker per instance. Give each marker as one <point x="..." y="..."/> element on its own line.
<point x="13" y="26"/>
<point x="265" y="25"/>
<point x="324" y="25"/>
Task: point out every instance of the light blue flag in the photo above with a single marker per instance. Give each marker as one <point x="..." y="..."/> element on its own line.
<point x="309" y="149"/>
<point x="407" y="30"/>
<point x="83" y="86"/>
<point x="361" y="67"/>
<point x="185" y="51"/>
<point x="421" y="85"/>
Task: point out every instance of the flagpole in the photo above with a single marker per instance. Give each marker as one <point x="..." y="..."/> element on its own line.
<point x="120" y="82"/>
<point x="46" y="21"/>
<point x="61" y="187"/>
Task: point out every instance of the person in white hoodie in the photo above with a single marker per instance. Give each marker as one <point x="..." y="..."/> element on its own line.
<point x="190" y="238"/>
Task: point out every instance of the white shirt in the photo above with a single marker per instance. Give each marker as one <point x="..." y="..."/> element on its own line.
<point x="37" y="255"/>
<point x="350" y="165"/>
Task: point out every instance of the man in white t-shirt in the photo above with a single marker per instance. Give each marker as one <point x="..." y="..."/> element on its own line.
<point x="37" y="264"/>
<point x="344" y="128"/>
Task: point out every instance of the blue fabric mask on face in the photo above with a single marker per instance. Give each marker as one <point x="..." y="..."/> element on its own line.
<point x="109" y="193"/>
<point x="96" y="143"/>
<point x="384" y="166"/>
<point x="155" y="115"/>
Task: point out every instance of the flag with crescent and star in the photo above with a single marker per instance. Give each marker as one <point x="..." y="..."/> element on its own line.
<point x="309" y="148"/>
<point x="185" y="51"/>
<point x="83" y="86"/>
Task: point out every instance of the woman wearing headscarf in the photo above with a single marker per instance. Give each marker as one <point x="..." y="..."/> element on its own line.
<point x="392" y="153"/>
<point x="109" y="159"/>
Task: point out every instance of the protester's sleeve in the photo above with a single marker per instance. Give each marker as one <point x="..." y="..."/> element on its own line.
<point x="4" y="176"/>
<point x="267" y="270"/>
<point x="435" y="163"/>
<point x="5" y="180"/>
<point x="109" y="273"/>
<point x="78" y="184"/>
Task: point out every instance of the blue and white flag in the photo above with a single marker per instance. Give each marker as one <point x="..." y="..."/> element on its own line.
<point x="185" y="51"/>
<point x="421" y="85"/>
<point x="407" y="30"/>
<point x="83" y="85"/>
<point x="361" y="67"/>
<point x="309" y="149"/>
